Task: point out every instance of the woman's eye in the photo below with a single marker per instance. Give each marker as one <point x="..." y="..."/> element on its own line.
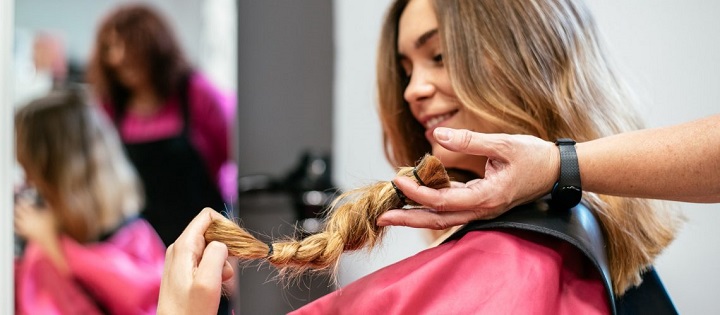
<point x="406" y="73"/>
<point x="438" y="58"/>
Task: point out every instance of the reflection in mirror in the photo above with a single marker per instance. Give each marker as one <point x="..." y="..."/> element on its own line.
<point x="164" y="73"/>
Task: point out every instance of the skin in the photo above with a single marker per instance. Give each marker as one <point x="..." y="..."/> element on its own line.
<point x="434" y="104"/>
<point x="511" y="158"/>
<point x="194" y="273"/>
<point x="685" y="167"/>
<point x="429" y="93"/>
<point x="143" y="101"/>
<point x="38" y="225"/>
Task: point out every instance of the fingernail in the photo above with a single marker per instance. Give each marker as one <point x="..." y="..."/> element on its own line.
<point x="443" y="134"/>
<point x="381" y="222"/>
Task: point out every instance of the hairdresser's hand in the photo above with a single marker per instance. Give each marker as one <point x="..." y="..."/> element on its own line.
<point x="193" y="275"/>
<point x="519" y="169"/>
<point x="35" y="224"/>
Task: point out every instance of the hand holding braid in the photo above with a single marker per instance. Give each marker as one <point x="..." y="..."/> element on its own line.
<point x="350" y="224"/>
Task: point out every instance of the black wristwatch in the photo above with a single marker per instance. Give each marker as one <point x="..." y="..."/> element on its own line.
<point x="567" y="191"/>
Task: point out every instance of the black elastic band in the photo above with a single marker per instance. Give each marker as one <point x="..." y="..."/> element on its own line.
<point x="399" y="193"/>
<point x="270" y="249"/>
<point x="417" y="177"/>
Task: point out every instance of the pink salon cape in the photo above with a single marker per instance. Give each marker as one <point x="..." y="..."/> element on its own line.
<point x="485" y="272"/>
<point x="120" y="275"/>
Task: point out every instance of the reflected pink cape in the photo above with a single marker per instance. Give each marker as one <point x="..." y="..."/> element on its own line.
<point x="120" y="275"/>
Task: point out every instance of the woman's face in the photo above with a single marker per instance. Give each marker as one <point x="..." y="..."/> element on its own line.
<point x="116" y="56"/>
<point x="429" y="92"/>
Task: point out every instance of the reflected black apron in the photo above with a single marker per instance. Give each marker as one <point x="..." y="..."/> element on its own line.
<point x="176" y="180"/>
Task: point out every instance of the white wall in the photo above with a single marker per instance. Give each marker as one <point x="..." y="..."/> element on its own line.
<point x="6" y="145"/>
<point x="357" y="139"/>
<point x="206" y="29"/>
<point x="669" y="51"/>
<point x="78" y="21"/>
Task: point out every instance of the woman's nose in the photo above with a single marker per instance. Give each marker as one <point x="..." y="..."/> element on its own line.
<point x="115" y="56"/>
<point x="419" y="88"/>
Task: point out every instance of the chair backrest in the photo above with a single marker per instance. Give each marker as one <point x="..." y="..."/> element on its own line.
<point x="579" y="227"/>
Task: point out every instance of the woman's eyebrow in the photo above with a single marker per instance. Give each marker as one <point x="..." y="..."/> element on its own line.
<point x="425" y="37"/>
<point x="422" y="40"/>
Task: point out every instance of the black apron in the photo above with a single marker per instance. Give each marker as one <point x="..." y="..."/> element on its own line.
<point x="176" y="180"/>
<point x="579" y="227"/>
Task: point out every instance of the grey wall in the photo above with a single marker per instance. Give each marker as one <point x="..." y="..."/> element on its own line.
<point x="285" y="62"/>
<point x="284" y="97"/>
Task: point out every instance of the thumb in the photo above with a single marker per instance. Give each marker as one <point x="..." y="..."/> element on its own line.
<point x="468" y="142"/>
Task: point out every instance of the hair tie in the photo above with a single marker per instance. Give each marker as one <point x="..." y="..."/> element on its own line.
<point x="417" y="177"/>
<point x="399" y="193"/>
<point x="270" y="249"/>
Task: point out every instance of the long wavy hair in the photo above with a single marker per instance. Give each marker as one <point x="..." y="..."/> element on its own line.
<point x="73" y="155"/>
<point x="149" y="43"/>
<point x="532" y="67"/>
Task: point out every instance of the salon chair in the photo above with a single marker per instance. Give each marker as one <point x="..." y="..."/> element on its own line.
<point x="579" y="227"/>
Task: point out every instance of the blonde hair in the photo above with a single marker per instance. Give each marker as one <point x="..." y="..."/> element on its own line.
<point x="73" y="155"/>
<point x="531" y="67"/>
<point x="350" y="225"/>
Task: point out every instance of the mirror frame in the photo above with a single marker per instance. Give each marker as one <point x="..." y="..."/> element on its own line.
<point x="6" y="158"/>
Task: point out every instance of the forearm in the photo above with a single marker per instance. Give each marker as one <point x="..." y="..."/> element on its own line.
<point x="681" y="163"/>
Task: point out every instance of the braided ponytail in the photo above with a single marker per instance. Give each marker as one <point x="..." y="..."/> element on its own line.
<point x="350" y="225"/>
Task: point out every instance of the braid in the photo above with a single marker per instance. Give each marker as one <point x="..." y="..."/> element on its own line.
<point x="350" y="225"/>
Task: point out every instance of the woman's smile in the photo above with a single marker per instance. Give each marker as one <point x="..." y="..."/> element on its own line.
<point x="435" y="121"/>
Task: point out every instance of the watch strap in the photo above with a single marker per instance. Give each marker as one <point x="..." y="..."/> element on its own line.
<point x="567" y="192"/>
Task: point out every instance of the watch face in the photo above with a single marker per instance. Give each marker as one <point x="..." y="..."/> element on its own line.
<point x="566" y="197"/>
<point x="571" y="190"/>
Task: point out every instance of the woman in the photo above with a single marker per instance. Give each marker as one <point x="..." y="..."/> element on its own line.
<point x="87" y="251"/>
<point x="530" y="67"/>
<point x="169" y="116"/>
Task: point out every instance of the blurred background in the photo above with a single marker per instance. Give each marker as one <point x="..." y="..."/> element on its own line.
<point x="302" y="73"/>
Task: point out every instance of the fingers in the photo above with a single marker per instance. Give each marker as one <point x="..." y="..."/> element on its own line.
<point x="449" y="199"/>
<point x="454" y="184"/>
<point x="194" y="272"/>
<point x="22" y="207"/>
<point x="25" y="218"/>
<point x="200" y="223"/>
<point x="430" y="220"/>
<point x="465" y="141"/>
<point x="411" y="218"/>
<point x="420" y="194"/>
<point x="192" y="240"/>
<point x="228" y="272"/>
<point x="210" y="270"/>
